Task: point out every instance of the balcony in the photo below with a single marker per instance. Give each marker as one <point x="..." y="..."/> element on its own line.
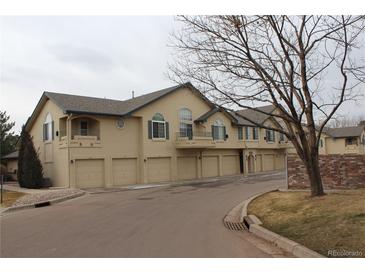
<point x="196" y="139"/>
<point x="85" y="132"/>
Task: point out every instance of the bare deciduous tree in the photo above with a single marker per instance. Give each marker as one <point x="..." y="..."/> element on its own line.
<point x="240" y="61"/>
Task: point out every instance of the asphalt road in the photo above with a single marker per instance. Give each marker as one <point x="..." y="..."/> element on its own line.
<point x="170" y="221"/>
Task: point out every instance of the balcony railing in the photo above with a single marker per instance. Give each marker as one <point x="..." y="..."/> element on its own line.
<point x="193" y="135"/>
<point x="195" y="139"/>
<point x="77" y="134"/>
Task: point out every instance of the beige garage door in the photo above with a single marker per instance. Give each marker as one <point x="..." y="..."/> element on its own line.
<point x="90" y="173"/>
<point x="210" y="166"/>
<point x="231" y="164"/>
<point x="279" y="161"/>
<point x="159" y="169"/>
<point x="186" y="168"/>
<point x="268" y="162"/>
<point x="124" y="171"/>
<point x="258" y="162"/>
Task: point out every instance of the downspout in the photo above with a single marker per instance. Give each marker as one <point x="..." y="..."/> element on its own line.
<point x="68" y="124"/>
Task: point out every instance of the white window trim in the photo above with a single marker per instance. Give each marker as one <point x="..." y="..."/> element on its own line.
<point x="48" y="121"/>
<point x="159" y="139"/>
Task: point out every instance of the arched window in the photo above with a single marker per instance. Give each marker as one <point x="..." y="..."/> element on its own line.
<point x="158" y="126"/>
<point x="218" y="130"/>
<point x="48" y="128"/>
<point x="186" y="123"/>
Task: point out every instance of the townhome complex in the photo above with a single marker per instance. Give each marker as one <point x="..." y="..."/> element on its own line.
<point x="168" y="135"/>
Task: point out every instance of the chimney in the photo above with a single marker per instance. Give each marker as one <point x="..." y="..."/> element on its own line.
<point x="132" y="94"/>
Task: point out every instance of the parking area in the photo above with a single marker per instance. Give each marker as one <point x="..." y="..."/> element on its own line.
<point x="177" y="220"/>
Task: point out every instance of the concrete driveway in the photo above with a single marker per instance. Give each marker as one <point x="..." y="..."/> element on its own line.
<point x="170" y="221"/>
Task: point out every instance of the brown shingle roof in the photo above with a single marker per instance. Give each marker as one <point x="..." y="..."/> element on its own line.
<point x="91" y="105"/>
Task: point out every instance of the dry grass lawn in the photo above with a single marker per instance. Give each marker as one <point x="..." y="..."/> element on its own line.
<point x="9" y="197"/>
<point x="335" y="221"/>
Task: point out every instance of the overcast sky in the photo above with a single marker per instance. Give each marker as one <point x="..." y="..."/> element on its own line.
<point x="105" y="56"/>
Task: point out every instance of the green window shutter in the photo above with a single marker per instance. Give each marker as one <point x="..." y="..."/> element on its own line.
<point x="247" y="133"/>
<point x="44" y="132"/>
<point x="213" y="132"/>
<point x="167" y="130"/>
<point x="52" y="130"/>
<point x="149" y="129"/>
<point x="273" y="136"/>
<point x="240" y="133"/>
<point x="224" y="133"/>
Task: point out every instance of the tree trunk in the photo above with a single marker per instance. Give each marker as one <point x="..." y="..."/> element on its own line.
<point x="314" y="175"/>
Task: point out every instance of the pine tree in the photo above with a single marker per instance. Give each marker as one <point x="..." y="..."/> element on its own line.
<point x="30" y="171"/>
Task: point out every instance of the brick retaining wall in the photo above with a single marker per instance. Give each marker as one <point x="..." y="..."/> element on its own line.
<point x="337" y="171"/>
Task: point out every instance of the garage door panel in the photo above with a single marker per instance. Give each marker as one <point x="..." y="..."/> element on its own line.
<point x="268" y="162"/>
<point x="279" y="161"/>
<point x="124" y="171"/>
<point x="187" y="168"/>
<point x="210" y="166"/>
<point x="90" y="173"/>
<point x="258" y="163"/>
<point x="231" y="164"/>
<point x="159" y="169"/>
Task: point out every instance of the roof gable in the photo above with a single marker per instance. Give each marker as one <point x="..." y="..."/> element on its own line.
<point x="245" y="116"/>
<point x="100" y="106"/>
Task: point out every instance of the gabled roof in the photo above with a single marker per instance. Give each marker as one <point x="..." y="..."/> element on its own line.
<point x="253" y="115"/>
<point x="101" y="106"/>
<point x="77" y="104"/>
<point x="13" y="155"/>
<point x="203" y="118"/>
<point x="343" y="132"/>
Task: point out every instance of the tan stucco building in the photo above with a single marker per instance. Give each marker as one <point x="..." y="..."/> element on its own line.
<point x="168" y="135"/>
<point x="345" y="140"/>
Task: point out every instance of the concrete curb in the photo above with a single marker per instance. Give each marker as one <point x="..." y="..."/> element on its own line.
<point x="47" y="203"/>
<point x="254" y="225"/>
<point x="249" y="200"/>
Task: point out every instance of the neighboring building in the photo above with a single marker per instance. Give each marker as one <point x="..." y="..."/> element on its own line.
<point x="346" y="140"/>
<point x="168" y="135"/>
<point x="11" y="161"/>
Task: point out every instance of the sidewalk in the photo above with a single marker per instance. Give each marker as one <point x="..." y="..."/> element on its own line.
<point x="36" y="196"/>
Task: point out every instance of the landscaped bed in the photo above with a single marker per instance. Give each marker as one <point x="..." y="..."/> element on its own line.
<point x="9" y="197"/>
<point x="333" y="225"/>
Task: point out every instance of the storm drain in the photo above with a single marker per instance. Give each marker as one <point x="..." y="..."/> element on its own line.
<point x="234" y="226"/>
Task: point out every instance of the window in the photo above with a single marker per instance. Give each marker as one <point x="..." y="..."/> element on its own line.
<point x="281" y="138"/>
<point x="240" y="133"/>
<point x="351" y="141"/>
<point x="84" y="128"/>
<point x="270" y="135"/>
<point x="247" y="133"/>
<point x="255" y="133"/>
<point x="48" y="127"/>
<point x="218" y="130"/>
<point x="158" y="126"/>
<point x="186" y="123"/>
